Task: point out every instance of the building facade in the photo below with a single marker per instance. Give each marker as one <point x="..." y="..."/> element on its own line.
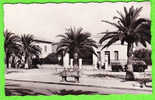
<point x="114" y="53"/>
<point x="46" y="47"/>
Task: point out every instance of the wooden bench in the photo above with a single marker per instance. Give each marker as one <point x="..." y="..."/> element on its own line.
<point x="70" y="72"/>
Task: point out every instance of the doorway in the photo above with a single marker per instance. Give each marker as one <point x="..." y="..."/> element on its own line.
<point x="107" y="54"/>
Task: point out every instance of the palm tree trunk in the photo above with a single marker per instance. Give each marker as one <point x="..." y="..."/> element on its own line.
<point x="28" y="62"/>
<point x="76" y="65"/>
<point x="7" y="61"/>
<point x="7" y="54"/>
<point x="129" y="71"/>
<point x="13" y="62"/>
<point x="75" y="60"/>
<point x="25" y="59"/>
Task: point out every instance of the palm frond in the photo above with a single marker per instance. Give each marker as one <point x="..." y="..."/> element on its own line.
<point x="107" y="36"/>
<point x="126" y="11"/>
<point x="113" y="24"/>
<point x="136" y="12"/>
<point x="110" y="42"/>
<point x="130" y="28"/>
<point x="74" y="39"/>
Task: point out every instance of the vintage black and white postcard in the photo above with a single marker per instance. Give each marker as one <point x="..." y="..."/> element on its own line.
<point x="78" y="48"/>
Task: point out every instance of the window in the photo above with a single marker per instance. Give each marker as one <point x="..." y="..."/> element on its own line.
<point x="116" y="55"/>
<point x="45" y="48"/>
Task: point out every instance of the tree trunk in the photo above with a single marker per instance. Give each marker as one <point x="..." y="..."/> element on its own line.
<point x="28" y="63"/>
<point x="129" y="71"/>
<point x="13" y="65"/>
<point x="7" y="61"/>
<point x="75" y="61"/>
<point x="25" y="59"/>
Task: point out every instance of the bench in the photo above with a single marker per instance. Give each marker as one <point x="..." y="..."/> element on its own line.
<point x="70" y="72"/>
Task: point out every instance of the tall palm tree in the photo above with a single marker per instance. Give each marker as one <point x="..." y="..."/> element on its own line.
<point x="11" y="45"/>
<point x="29" y="48"/>
<point x="130" y="29"/>
<point x="74" y="41"/>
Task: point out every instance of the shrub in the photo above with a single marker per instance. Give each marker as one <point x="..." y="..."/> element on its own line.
<point x="144" y="54"/>
<point x="50" y="59"/>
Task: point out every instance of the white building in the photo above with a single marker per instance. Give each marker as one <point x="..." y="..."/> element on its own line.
<point x="46" y="47"/>
<point x="113" y="53"/>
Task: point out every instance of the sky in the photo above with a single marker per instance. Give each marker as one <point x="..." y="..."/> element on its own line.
<point x="46" y="21"/>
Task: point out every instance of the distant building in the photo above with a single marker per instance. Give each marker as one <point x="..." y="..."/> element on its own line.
<point x="54" y="47"/>
<point x="46" y="47"/>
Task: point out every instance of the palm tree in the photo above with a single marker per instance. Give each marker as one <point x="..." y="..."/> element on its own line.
<point x="29" y="48"/>
<point x="11" y="45"/>
<point x="130" y="29"/>
<point x="74" y="41"/>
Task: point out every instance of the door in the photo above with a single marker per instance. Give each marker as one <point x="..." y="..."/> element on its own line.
<point x="107" y="54"/>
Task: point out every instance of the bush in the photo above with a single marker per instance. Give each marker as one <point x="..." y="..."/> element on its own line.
<point x="143" y="54"/>
<point x="50" y="59"/>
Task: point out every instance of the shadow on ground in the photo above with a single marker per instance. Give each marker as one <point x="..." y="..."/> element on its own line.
<point x="107" y="75"/>
<point x="24" y="92"/>
<point x="71" y="92"/>
<point x="16" y="90"/>
<point x="138" y="80"/>
<point x="20" y="92"/>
